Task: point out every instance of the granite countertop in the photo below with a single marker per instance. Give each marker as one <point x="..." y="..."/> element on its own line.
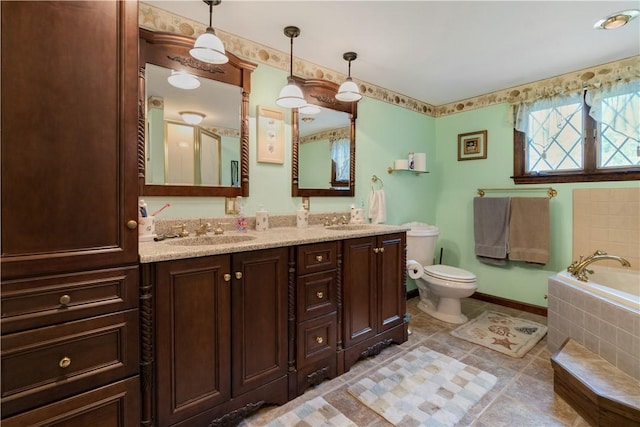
<point x="187" y="247"/>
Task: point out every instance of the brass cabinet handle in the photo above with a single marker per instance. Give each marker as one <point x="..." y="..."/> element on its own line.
<point x="227" y="277"/>
<point x="65" y="299"/>
<point x="319" y="294"/>
<point x="381" y="250"/>
<point x="132" y="224"/>
<point x="238" y="275"/>
<point x="64" y="362"/>
<point x="376" y="250"/>
<point x="319" y="340"/>
<point x="319" y="258"/>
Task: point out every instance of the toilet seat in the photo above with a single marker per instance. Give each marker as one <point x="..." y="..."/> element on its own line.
<point x="449" y="273"/>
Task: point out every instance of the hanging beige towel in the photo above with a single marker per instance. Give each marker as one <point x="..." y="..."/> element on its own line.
<point x="529" y="230"/>
<point x="491" y="229"/>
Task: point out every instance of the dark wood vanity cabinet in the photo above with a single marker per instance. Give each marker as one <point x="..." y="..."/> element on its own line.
<point x="317" y="288"/>
<point x="69" y="295"/>
<point x="220" y="336"/>
<point x="374" y="297"/>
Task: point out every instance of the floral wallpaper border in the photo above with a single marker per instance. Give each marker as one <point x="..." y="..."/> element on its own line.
<point x="157" y="19"/>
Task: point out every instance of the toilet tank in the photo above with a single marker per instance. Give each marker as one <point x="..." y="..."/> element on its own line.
<point x="421" y="242"/>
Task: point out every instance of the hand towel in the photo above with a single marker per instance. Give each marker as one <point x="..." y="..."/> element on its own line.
<point x="529" y="230"/>
<point x="491" y="229"/>
<point x="377" y="207"/>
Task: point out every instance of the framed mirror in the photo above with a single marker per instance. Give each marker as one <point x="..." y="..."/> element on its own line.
<point x="191" y="141"/>
<point x="323" y="145"/>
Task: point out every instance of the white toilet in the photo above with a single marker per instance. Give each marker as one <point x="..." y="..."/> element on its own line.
<point x="440" y="286"/>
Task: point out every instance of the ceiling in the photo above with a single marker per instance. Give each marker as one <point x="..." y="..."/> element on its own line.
<point x="437" y="52"/>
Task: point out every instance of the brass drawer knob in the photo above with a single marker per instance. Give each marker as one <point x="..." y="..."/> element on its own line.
<point x="319" y="258"/>
<point x="319" y="340"/>
<point x="238" y="275"/>
<point x="64" y="362"/>
<point x="227" y="277"/>
<point x="132" y="224"/>
<point x="381" y="250"/>
<point x="320" y="294"/>
<point x="65" y="300"/>
<point x="376" y="250"/>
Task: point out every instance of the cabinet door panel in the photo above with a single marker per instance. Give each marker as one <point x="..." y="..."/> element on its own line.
<point x="359" y="290"/>
<point x="259" y="318"/>
<point x="193" y="352"/>
<point x="391" y="290"/>
<point x="69" y="132"/>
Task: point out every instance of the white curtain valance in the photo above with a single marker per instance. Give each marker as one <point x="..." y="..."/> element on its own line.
<point x="617" y="106"/>
<point x="520" y="112"/>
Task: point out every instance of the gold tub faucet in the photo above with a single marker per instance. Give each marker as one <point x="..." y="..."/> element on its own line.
<point x="578" y="268"/>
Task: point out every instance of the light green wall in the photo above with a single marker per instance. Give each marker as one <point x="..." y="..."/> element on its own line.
<point x="385" y="132"/>
<point x="458" y="182"/>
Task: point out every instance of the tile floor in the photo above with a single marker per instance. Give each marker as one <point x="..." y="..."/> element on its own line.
<point x="522" y="397"/>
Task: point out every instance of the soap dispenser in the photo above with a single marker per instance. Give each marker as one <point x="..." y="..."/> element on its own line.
<point x="262" y="219"/>
<point x="302" y="217"/>
<point x="241" y="221"/>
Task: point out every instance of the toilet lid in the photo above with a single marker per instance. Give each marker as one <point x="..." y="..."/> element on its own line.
<point x="449" y="273"/>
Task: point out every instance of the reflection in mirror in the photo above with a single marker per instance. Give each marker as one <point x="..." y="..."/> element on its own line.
<point x="323" y="148"/>
<point x="178" y="153"/>
<point x="178" y="157"/>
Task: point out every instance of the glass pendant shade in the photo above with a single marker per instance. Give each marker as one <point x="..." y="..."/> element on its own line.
<point x="309" y="109"/>
<point x="192" y="117"/>
<point x="209" y="48"/>
<point x="183" y="80"/>
<point x="348" y="91"/>
<point x="291" y="96"/>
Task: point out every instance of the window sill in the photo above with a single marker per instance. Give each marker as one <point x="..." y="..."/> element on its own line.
<point x="577" y="177"/>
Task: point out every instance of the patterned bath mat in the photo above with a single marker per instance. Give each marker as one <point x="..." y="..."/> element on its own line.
<point x="509" y="335"/>
<point x="316" y="412"/>
<point x="423" y="388"/>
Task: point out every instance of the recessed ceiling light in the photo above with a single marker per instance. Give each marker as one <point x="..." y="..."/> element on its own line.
<point x="192" y="117"/>
<point x="616" y="20"/>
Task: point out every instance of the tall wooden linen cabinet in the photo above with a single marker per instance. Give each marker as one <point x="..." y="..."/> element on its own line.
<point x="69" y="295"/>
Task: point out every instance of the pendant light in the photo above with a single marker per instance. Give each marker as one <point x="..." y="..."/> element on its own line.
<point x="183" y="80"/>
<point x="291" y="95"/>
<point x="348" y="91"/>
<point x="208" y="47"/>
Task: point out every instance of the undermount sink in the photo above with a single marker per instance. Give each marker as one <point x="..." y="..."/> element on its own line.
<point x="349" y="227"/>
<point x="220" y="239"/>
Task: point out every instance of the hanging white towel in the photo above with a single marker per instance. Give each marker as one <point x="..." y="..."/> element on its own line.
<point x="377" y="207"/>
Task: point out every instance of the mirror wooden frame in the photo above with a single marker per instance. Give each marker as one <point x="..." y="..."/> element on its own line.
<point x="172" y="51"/>
<point x="322" y="93"/>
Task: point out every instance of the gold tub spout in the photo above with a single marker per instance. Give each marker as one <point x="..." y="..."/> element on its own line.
<point x="578" y="268"/>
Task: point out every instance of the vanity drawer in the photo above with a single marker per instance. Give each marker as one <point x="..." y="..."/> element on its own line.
<point x="316" y="295"/>
<point x="33" y="303"/>
<point x="115" y="405"/>
<point x="46" y="364"/>
<point x="317" y="257"/>
<point x="316" y="339"/>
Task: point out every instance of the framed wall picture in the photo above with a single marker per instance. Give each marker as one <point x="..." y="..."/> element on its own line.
<point x="270" y="126"/>
<point x="472" y="145"/>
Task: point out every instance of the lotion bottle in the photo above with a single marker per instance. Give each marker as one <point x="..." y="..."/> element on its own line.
<point x="241" y="221"/>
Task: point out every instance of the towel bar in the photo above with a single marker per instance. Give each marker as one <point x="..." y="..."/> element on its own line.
<point x="551" y="192"/>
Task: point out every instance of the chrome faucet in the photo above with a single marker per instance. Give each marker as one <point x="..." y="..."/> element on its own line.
<point x="578" y="268"/>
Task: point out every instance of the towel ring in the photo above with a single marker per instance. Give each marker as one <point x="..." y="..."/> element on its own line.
<point x="374" y="180"/>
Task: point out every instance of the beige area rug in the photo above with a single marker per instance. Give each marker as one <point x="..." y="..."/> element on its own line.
<point x="423" y="388"/>
<point x="316" y="412"/>
<point x="512" y="336"/>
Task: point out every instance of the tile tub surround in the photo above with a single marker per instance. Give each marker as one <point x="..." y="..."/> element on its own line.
<point x="272" y="238"/>
<point x="522" y="397"/>
<point x="609" y="330"/>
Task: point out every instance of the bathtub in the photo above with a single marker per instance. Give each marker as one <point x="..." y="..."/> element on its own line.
<point x="602" y="314"/>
